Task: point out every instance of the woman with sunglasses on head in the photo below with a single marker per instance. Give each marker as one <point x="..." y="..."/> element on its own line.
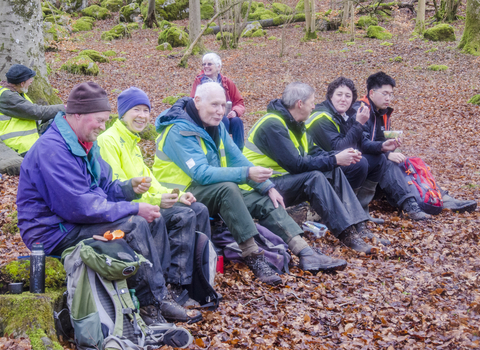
<point x="212" y="65"/>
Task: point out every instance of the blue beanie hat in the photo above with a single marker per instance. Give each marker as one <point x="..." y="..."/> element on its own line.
<point x="130" y="98"/>
<point x="18" y="73"/>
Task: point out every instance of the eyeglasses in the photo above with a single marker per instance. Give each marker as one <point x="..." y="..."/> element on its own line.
<point x="207" y="64"/>
<point x="387" y="94"/>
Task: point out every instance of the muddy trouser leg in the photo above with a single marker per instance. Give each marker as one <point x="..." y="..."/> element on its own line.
<point x="394" y="184"/>
<point x="149" y="240"/>
<point x="338" y="208"/>
<point x="356" y="174"/>
<point x="202" y="217"/>
<point x="180" y="222"/>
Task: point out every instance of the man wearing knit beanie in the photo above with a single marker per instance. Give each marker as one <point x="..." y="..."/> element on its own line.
<point x="66" y="194"/>
<point x="19" y="115"/>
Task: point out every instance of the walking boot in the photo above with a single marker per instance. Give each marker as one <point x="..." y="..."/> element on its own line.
<point x="151" y="315"/>
<point x="352" y="240"/>
<point x="365" y="195"/>
<point x="411" y="209"/>
<point x="364" y="232"/>
<point x="313" y="260"/>
<point x="457" y="205"/>
<point x="174" y="312"/>
<point x="181" y="296"/>
<point x="260" y="268"/>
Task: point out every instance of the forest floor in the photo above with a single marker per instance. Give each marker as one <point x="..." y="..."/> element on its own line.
<point x="419" y="293"/>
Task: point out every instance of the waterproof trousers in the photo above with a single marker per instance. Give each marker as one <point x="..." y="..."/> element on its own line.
<point x="149" y="240"/>
<point x="234" y="126"/>
<point x="394" y="184"/>
<point x="371" y="167"/>
<point x="237" y="207"/>
<point x="336" y="203"/>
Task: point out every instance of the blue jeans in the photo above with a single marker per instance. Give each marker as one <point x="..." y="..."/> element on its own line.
<point x="234" y="126"/>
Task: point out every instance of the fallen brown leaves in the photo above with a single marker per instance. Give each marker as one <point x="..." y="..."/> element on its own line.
<point x="419" y="293"/>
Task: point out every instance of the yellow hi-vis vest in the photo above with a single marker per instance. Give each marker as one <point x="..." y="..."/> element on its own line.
<point x="170" y="174"/>
<point x="253" y="153"/>
<point x="18" y="134"/>
<point x="317" y="115"/>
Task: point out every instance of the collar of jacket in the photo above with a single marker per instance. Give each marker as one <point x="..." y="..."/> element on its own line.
<point x="9" y="86"/>
<point x="76" y="149"/>
<point x="276" y="107"/>
<point x="131" y="139"/>
<point x="328" y="108"/>
<point x="380" y="112"/>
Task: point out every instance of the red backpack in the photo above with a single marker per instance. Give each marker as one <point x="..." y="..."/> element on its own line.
<point x="427" y="193"/>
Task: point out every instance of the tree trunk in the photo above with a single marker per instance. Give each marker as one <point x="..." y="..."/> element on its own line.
<point x="470" y="42"/>
<point x="310" y="33"/>
<point x="420" y="22"/>
<point x="352" y="20"/>
<point x="151" y="17"/>
<point x="451" y="10"/>
<point x="195" y="23"/>
<point x="21" y="41"/>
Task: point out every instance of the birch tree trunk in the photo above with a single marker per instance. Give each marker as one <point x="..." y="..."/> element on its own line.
<point x="470" y="42"/>
<point x="194" y="23"/>
<point x="21" y="41"/>
<point x="310" y="33"/>
<point x="420" y="22"/>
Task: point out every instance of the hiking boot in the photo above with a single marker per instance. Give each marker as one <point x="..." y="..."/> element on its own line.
<point x="260" y="268"/>
<point x="411" y="209"/>
<point x="364" y="232"/>
<point x="151" y="315"/>
<point x="457" y="205"/>
<point x="181" y="296"/>
<point x="313" y="260"/>
<point x="173" y="312"/>
<point x="168" y="334"/>
<point x="352" y="240"/>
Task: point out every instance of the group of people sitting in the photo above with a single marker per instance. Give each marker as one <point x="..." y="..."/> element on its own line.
<point x="78" y="180"/>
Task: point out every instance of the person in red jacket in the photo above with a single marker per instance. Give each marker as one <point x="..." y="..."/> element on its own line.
<point x="212" y="65"/>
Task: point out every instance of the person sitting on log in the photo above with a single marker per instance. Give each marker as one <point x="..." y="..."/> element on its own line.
<point x="195" y="152"/>
<point x="212" y="65"/>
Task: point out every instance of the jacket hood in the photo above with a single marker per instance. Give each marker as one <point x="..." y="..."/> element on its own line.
<point x="7" y="85"/>
<point x="172" y="115"/>
<point x="277" y="107"/>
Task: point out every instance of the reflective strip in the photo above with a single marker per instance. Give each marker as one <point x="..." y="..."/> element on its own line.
<point x="222" y="152"/>
<point x="252" y="147"/>
<point x="279" y="172"/>
<point x="162" y="156"/>
<point x="170" y="185"/>
<point x="4" y="117"/>
<point x="17" y="134"/>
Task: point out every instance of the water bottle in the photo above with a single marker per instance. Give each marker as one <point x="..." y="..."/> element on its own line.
<point x="317" y="229"/>
<point x="37" y="269"/>
<point x="135" y="301"/>
<point x="228" y="107"/>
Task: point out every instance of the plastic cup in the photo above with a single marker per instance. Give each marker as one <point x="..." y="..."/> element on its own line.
<point x="392" y="134"/>
<point x="15" y="288"/>
<point x="220" y="264"/>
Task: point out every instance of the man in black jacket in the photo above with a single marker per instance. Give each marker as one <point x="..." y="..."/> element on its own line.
<point x="379" y="95"/>
<point x="279" y="141"/>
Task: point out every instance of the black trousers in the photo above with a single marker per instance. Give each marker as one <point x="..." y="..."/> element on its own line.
<point x="394" y="185"/>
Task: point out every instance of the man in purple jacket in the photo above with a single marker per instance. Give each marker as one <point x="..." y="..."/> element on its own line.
<point x="65" y="195"/>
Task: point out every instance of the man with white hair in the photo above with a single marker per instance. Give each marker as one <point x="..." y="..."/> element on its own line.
<point x="212" y="65"/>
<point x="194" y="151"/>
<point x="302" y="172"/>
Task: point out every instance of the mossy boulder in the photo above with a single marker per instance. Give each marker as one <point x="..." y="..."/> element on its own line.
<point x="112" y="5"/>
<point x="367" y="21"/>
<point x="72" y="5"/>
<point x="132" y="26"/>
<point x="281" y="9"/>
<point x="129" y="12"/>
<point x="94" y="55"/>
<point x="166" y="24"/>
<point x="261" y="13"/>
<point x="209" y="30"/>
<point x="437" y="67"/>
<point x="475" y="100"/>
<point x="117" y="32"/>
<point x="300" y="8"/>
<point x="441" y="32"/>
<point x="251" y="28"/>
<point x="83" y="24"/>
<point x="174" y="36"/>
<point x="97" y="12"/>
<point x="167" y="9"/>
<point x="207" y="11"/>
<point x="253" y="7"/>
<point x="164" y="47"/>
<point x="81" y="65"/>
<point x="54" y="32"/>
<point x="119" y="59"/>
<point x="62" y="20"/>
<point x="378" y="32"/>
<point x="109" y="53"/>
<point x="225" y="35"/>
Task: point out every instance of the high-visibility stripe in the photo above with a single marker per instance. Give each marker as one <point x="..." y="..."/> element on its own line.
<point x="4" y="117"/>
<point x="172" y="185"/>
<point x="17" y="134"/>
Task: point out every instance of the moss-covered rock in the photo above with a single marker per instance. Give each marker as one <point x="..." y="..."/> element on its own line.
<point x="475" y="100"/>
<point x="49" y="9"/>
<point x="251" y="28"/>
<point x="132" y="26"/>
<point x="300" y="8"/>
<point x="261" y="13"/>
<point x="11" y="224"/>
<point x="253" y="7"/>
<point x="225" y="35"/>
<point x="119" y="59"/>
<point x="129" y="12"/>
<point x="174" y="36"/>
<point x="166" y="24"/>
<point x="378" y="32"/>
<point x="209" y="30"/>
<point x="94" y="55"/>
<point x="167" y="9"/>
<point x="81" y="65"/>
<point x="164" y="47"/>
<point x="281" y="9"/>
<point x="207" y="11"/>
<point x="259" y="33"/>
<point x="437" y="67"/>
<point x="54" y="32"/>
<point x="97" y="12"/>
<point x="83" y="24"/>
<point x="367" y="21"/>
<point x="109" y="53"/>
<point x="112" y="5"/>
<point x="19" y="271"/>
<point x="72" y="5"/>
<point x="441" y="32"/>
<point x="117" y="32"/>
<point x="62" y="20"/>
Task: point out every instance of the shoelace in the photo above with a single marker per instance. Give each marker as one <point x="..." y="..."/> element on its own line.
<point x="261" y="265"/>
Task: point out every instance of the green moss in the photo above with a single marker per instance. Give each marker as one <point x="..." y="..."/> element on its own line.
<point x="172" y="99"/>
<point x="309" y="35"/>
<point x="281" y="9"/>
<point x="299" y="17"/>
<point x="250" y="29"/>
<point x="209" y="30"/>
<point x="112" y="5"/>
<point x="370" y="51"/>
<point x="111" y="120"/>
<point x="119" y="59"/>
<point x="164" y="47"/>
<point x="273" y="37"/>
<point x="225" y="34"/>
<point x="441" y="32"/>
<point x="40" y="341"/>
<point x="41" y="92"/>
<point x="259" y="33"/>
<point x="386" y="43"/>
<point x="127" y="12"/>
<point x="300" y="8"/>
<point x="207" y="11"/>
<point x="132" y="26"/>
<point x="97" y="12"/>
<point x="174" y="36"/>
<point x="11" y="227"/>
<point x="117" y="32"/>
<point x="433" y="49"/>
<point x="437" y="67"/>
<point x="475" y="100"/>
<point x="94" y="55"/>
<point x="367" y="21"/>
<point x="378" y="32"/>
<point x="149" y="133"/>
<point x="109" y="53"/>
<point x="261" y="13"/>
<point x="166" y="24"/>
<point x="82" y="25"/>
<point x="297" y="26"/>
<point x="55" y="32"/>
<point x="81" y="65"/>
<point x="167" y="9"/>
<point x="396" y="59"/>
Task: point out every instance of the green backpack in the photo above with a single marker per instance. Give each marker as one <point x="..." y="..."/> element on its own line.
<point x="101" y="309"/>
